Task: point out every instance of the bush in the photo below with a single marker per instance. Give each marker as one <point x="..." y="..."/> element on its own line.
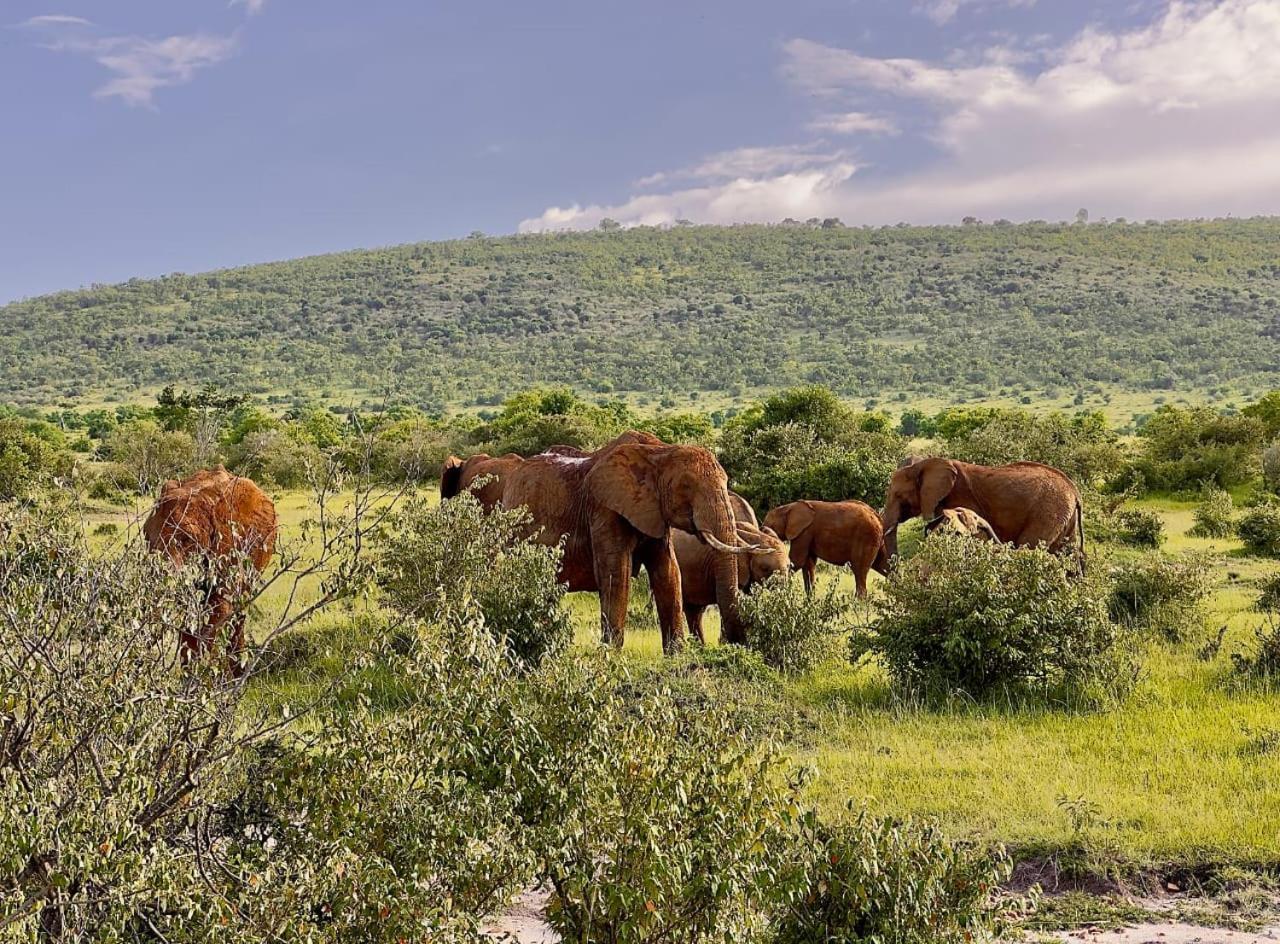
<point x="459" y="562"/>
<point x="792" y="631"/>
<point x="1138" y="527"/>
<point x="1106" y="520"/>
<point x="986" y="619"/>
<point x="1263" y="662"/>
<point x="1182" y="449"/>
<point x="147" y="454"/>
<point x="778" y="464"/>
<point x="1259" y="529"/>
<point x="277" y="456"/>
<point x="1213" y="515"/>
<point x="1269" y="600"/>
<point x="28" y="461"/>
<point x="891" y="881"/>
<point x="1083" y="446"/>
<point x="679" y="834"/>
<point x="1271" y="467"/>
<point x="1160" y="593"/>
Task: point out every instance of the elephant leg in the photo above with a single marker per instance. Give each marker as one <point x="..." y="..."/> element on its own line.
<point x="809" y="568"/>
<point x="860" y="580"/>
<point x="693" y="616"/>
<point x="614" y="580"/>
<point x="664" y="580"/>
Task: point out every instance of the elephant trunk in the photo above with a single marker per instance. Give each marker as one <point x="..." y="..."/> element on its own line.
<point x="718" y="528"/>
<point x="891" y="519"/>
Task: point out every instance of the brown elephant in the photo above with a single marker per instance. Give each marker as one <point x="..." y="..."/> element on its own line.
<point x="742" y="510"/>
<point x="221" y="522"/>
<point x="457" y="476"/>
<point x="1026" y="503"/>
<point x="616" y="508"/>
<point x="964" y="522"/>
<point x="698" y="570"/>
<point x="840" y="533"/>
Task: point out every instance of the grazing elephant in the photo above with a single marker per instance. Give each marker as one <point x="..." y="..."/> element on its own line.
<point x="698" y="570"/>
<point x="616" y="507"/>
<point x="219" y="521"/>
<point x="962" y="521"/>
<point x="840" y="533"/>
<point x="1026" y="503"/>
<point x="457" y="475"/>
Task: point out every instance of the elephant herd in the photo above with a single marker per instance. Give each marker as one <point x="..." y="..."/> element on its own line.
<point x="639" y="502"/>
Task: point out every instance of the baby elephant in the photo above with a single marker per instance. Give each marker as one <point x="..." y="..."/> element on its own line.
<point x="962" y="521"/>
<point x="698" y="571"/>
<point x="847" y="532"/>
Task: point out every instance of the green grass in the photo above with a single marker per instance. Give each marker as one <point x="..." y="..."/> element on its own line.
<point x="1168" y="771"/>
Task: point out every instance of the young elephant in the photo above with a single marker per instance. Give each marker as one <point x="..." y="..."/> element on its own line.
<point x="840" y="533"/>
<point x="962" y="521"/>
<point x="698" y="571"/>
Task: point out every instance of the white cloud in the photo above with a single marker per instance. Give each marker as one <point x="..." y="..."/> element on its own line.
<point x="1177" y="118"/>
<point x="139" y="66"/>
<point x="56" y="19"/>
<point x="799" y="194"/>
<point x="853" y="122"/>
<point x="253" y="6"/>
<point x="749" y="162"/>
<point x="944" y="11"/>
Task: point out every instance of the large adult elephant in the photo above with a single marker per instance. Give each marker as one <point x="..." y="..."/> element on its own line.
<point x="839" y="533"/>
<point x="616" y="508"/>
<point x="699" y="571"/>
<point x="226" y="525"/>
<point x="458" y="475"/>
<point x="1026" y="503"/>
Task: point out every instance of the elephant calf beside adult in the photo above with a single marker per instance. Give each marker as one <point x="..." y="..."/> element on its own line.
<point x="839" y="533"/>
<point x="699" y="572"/>
<point x="616" y="508"/>
<point x="1025" y="503"/>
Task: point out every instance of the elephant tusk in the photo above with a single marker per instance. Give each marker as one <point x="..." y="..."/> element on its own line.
<point x="719" y="545"/>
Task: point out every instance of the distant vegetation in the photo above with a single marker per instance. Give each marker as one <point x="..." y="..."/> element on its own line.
<point x="951" y="312"/>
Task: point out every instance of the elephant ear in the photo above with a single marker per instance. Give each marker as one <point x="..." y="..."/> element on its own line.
<point x="937" y="479"/>
<point x="624" y="481"/>
<point x="799" y="517"/>
<point x="451" y="477"/>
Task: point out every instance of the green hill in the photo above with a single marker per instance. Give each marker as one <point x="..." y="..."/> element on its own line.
<point x="947" y="312"/>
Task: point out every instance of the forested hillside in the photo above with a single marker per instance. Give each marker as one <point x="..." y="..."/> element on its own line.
<point x="946" y="311"/>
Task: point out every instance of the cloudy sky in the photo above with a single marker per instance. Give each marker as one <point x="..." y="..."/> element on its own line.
<point x="148" y="136"/>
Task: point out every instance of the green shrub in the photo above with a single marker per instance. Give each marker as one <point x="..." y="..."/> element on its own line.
<point x="1269" y="600"/>
<point x="1271" y="467"/>
<point x="986" y="619"/>
<point x="1106" y="520"/>
<point x="147" y="454"/>
<point x="1083" y="446"/>
<point x="1213" y="516"/>
<point x="1259" y="529"/>
<point x="680" y="837"/>
<point x="1262" y="662"/>
<point x="1160" y="593"/>
<point x="277" y="456"/>
<point x="1138" y="527"/>
<point x="28" y="460"/>
<point x="792" y="631"/>
<point x="1183" y="448"/>
<point x="898" y="882"/>
<point x="459" y="562"/>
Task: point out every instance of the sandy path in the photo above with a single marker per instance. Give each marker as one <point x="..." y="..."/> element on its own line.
<point x="1168" y="934"/>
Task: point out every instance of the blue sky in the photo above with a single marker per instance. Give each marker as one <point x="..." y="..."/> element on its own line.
<point x="149" y="137"/>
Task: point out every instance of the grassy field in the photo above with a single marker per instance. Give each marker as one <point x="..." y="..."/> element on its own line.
<point x="1172" y="776"/>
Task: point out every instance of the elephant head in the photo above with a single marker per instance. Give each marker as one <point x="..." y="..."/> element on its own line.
<point x="915" y="489"/>
<point x="451" y="477"/>
<point x="962" y="521"/>
<point x="656" y="488"/>
<point x="760" y="567"/>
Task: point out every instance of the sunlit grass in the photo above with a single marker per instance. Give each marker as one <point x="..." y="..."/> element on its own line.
<point x="1168" y="770"/>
